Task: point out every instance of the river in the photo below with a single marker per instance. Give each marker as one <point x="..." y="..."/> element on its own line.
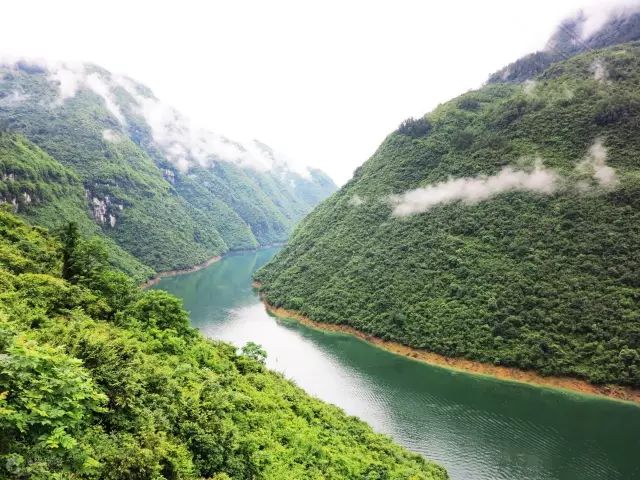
<point x="479" y="428"/>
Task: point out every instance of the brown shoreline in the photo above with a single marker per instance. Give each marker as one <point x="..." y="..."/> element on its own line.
<point x="615" y="392"/>
<point x="172" y="273"/>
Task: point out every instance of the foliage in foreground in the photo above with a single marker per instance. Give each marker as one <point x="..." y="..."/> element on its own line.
<point x="543" y="282"/>
<point x="101" y="380"/>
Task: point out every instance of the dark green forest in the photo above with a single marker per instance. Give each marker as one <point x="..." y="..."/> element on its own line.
<point x="100" y="379"/>
<point x="121" y="183"/>
<point x="542" y="281"/>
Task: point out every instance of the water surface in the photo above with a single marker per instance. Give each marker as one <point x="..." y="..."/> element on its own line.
<point x="477" y="427"/>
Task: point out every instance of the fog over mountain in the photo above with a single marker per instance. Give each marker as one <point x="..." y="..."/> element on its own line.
<point x="598" y="26"/>
<point x="163" y="190"/>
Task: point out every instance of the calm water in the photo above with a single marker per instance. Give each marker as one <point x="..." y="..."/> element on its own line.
<point x="478" y="428"/>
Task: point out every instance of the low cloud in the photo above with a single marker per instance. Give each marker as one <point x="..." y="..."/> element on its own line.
<point x="183" y="144"/>
<point x="186" y="146"/>
<point x="595" y="164"/>
<point x="14" y="98"/>
<point x="111" y="136"/>
<point x="69" y="80"/>
<point x="474" y="190"/>
<point x="530" y="87"/>
<point x="101" y="88"/>
<point x="599" y="70"/>
<point x="596" y="15"/>
<point x="356" y="200"/>
<point x="72" y="77"/>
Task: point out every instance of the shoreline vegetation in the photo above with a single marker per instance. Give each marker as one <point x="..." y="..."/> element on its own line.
<point x="172" y="273"/>
<point x="104" y="380"/>
<point x="615" y="392"/>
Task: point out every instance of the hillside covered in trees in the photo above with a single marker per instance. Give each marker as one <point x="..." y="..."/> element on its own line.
<point x="82" y="144"/>
<point x="503" y="227"/>
<point x="99" y="379"/>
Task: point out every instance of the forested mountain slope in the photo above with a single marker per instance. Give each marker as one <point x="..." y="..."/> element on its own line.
<point x="165" y="192"/>
<point x="99" y="379"/>
<point x="503" y="227"/>
<point x="49" y="194"/>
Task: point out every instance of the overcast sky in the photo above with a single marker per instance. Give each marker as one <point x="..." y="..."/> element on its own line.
<point x="322" y="81"/>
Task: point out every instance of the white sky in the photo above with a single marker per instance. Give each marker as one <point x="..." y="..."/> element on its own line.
<point x="323" y="81"/>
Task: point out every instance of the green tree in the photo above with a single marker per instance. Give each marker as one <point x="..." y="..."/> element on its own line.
<point x="159" y="309"/>
<point x="70" y="238"/>
<point x="255" y="352"/>
<point x="46" y="398"/>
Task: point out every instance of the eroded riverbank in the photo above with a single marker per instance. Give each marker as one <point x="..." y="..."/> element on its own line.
<point x="506" y="373"/>
<point x="172" y="273"/>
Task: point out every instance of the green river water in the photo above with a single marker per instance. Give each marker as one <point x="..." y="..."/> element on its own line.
<point x="477" y="427"/>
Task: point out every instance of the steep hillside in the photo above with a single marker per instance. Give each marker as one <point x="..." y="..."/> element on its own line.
<point x="101" y="380"/>
<point x="503" y="227"/>
<point x="41" y="189"/>
<point x="574" y="36"/>
<point x="166" y="193"/>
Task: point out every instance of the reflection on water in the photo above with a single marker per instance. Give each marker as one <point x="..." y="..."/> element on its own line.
<point x="477" y="427"/>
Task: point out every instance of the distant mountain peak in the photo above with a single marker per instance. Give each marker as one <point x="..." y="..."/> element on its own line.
<point x="591" y="28"/>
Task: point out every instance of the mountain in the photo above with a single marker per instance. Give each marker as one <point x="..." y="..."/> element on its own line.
<point x="100" y="379"/>
<point x="502" y="227"/>
<point x="161" y="191"/>
<point x="573" y="36"/>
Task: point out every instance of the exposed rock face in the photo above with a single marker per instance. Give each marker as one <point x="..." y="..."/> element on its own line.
<point x="99" y="209"/>
<point x="104" y="210"/>
<point x="19" y="200"/>
<point x="169" y="176"/>
<point x="12" y="200"/>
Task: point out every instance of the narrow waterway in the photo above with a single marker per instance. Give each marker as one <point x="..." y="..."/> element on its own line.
<point x="477" y="427"/>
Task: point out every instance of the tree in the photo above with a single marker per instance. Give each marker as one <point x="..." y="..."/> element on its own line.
<point x="70" y="238"/>
<point x="84" y="261"/>
<point x="46" y="399"/>
<point x="415" y="128"/>
<point x="255" y="351"/>
<point x="159" y="309"/>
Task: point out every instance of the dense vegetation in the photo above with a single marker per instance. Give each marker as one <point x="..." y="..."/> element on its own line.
<point x="99" y="379"/>
<point x="119" y="177"/>
<point x="549" y="282"/>
<point x="49" y="194"/>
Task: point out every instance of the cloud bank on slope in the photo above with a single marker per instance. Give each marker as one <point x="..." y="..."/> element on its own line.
<point x="184" y="145"/>
<point x="595" y="16"/>
<point x="472" y="190"/>
<point x="595" y="164"/>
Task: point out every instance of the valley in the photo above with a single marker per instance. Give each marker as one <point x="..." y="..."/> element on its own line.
<point x="478" y="427"/>
<point x="179" y="304"/>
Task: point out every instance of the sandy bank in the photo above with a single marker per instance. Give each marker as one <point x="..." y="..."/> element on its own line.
<point x="506" y="373"/>
<point x="172" y="273"/>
